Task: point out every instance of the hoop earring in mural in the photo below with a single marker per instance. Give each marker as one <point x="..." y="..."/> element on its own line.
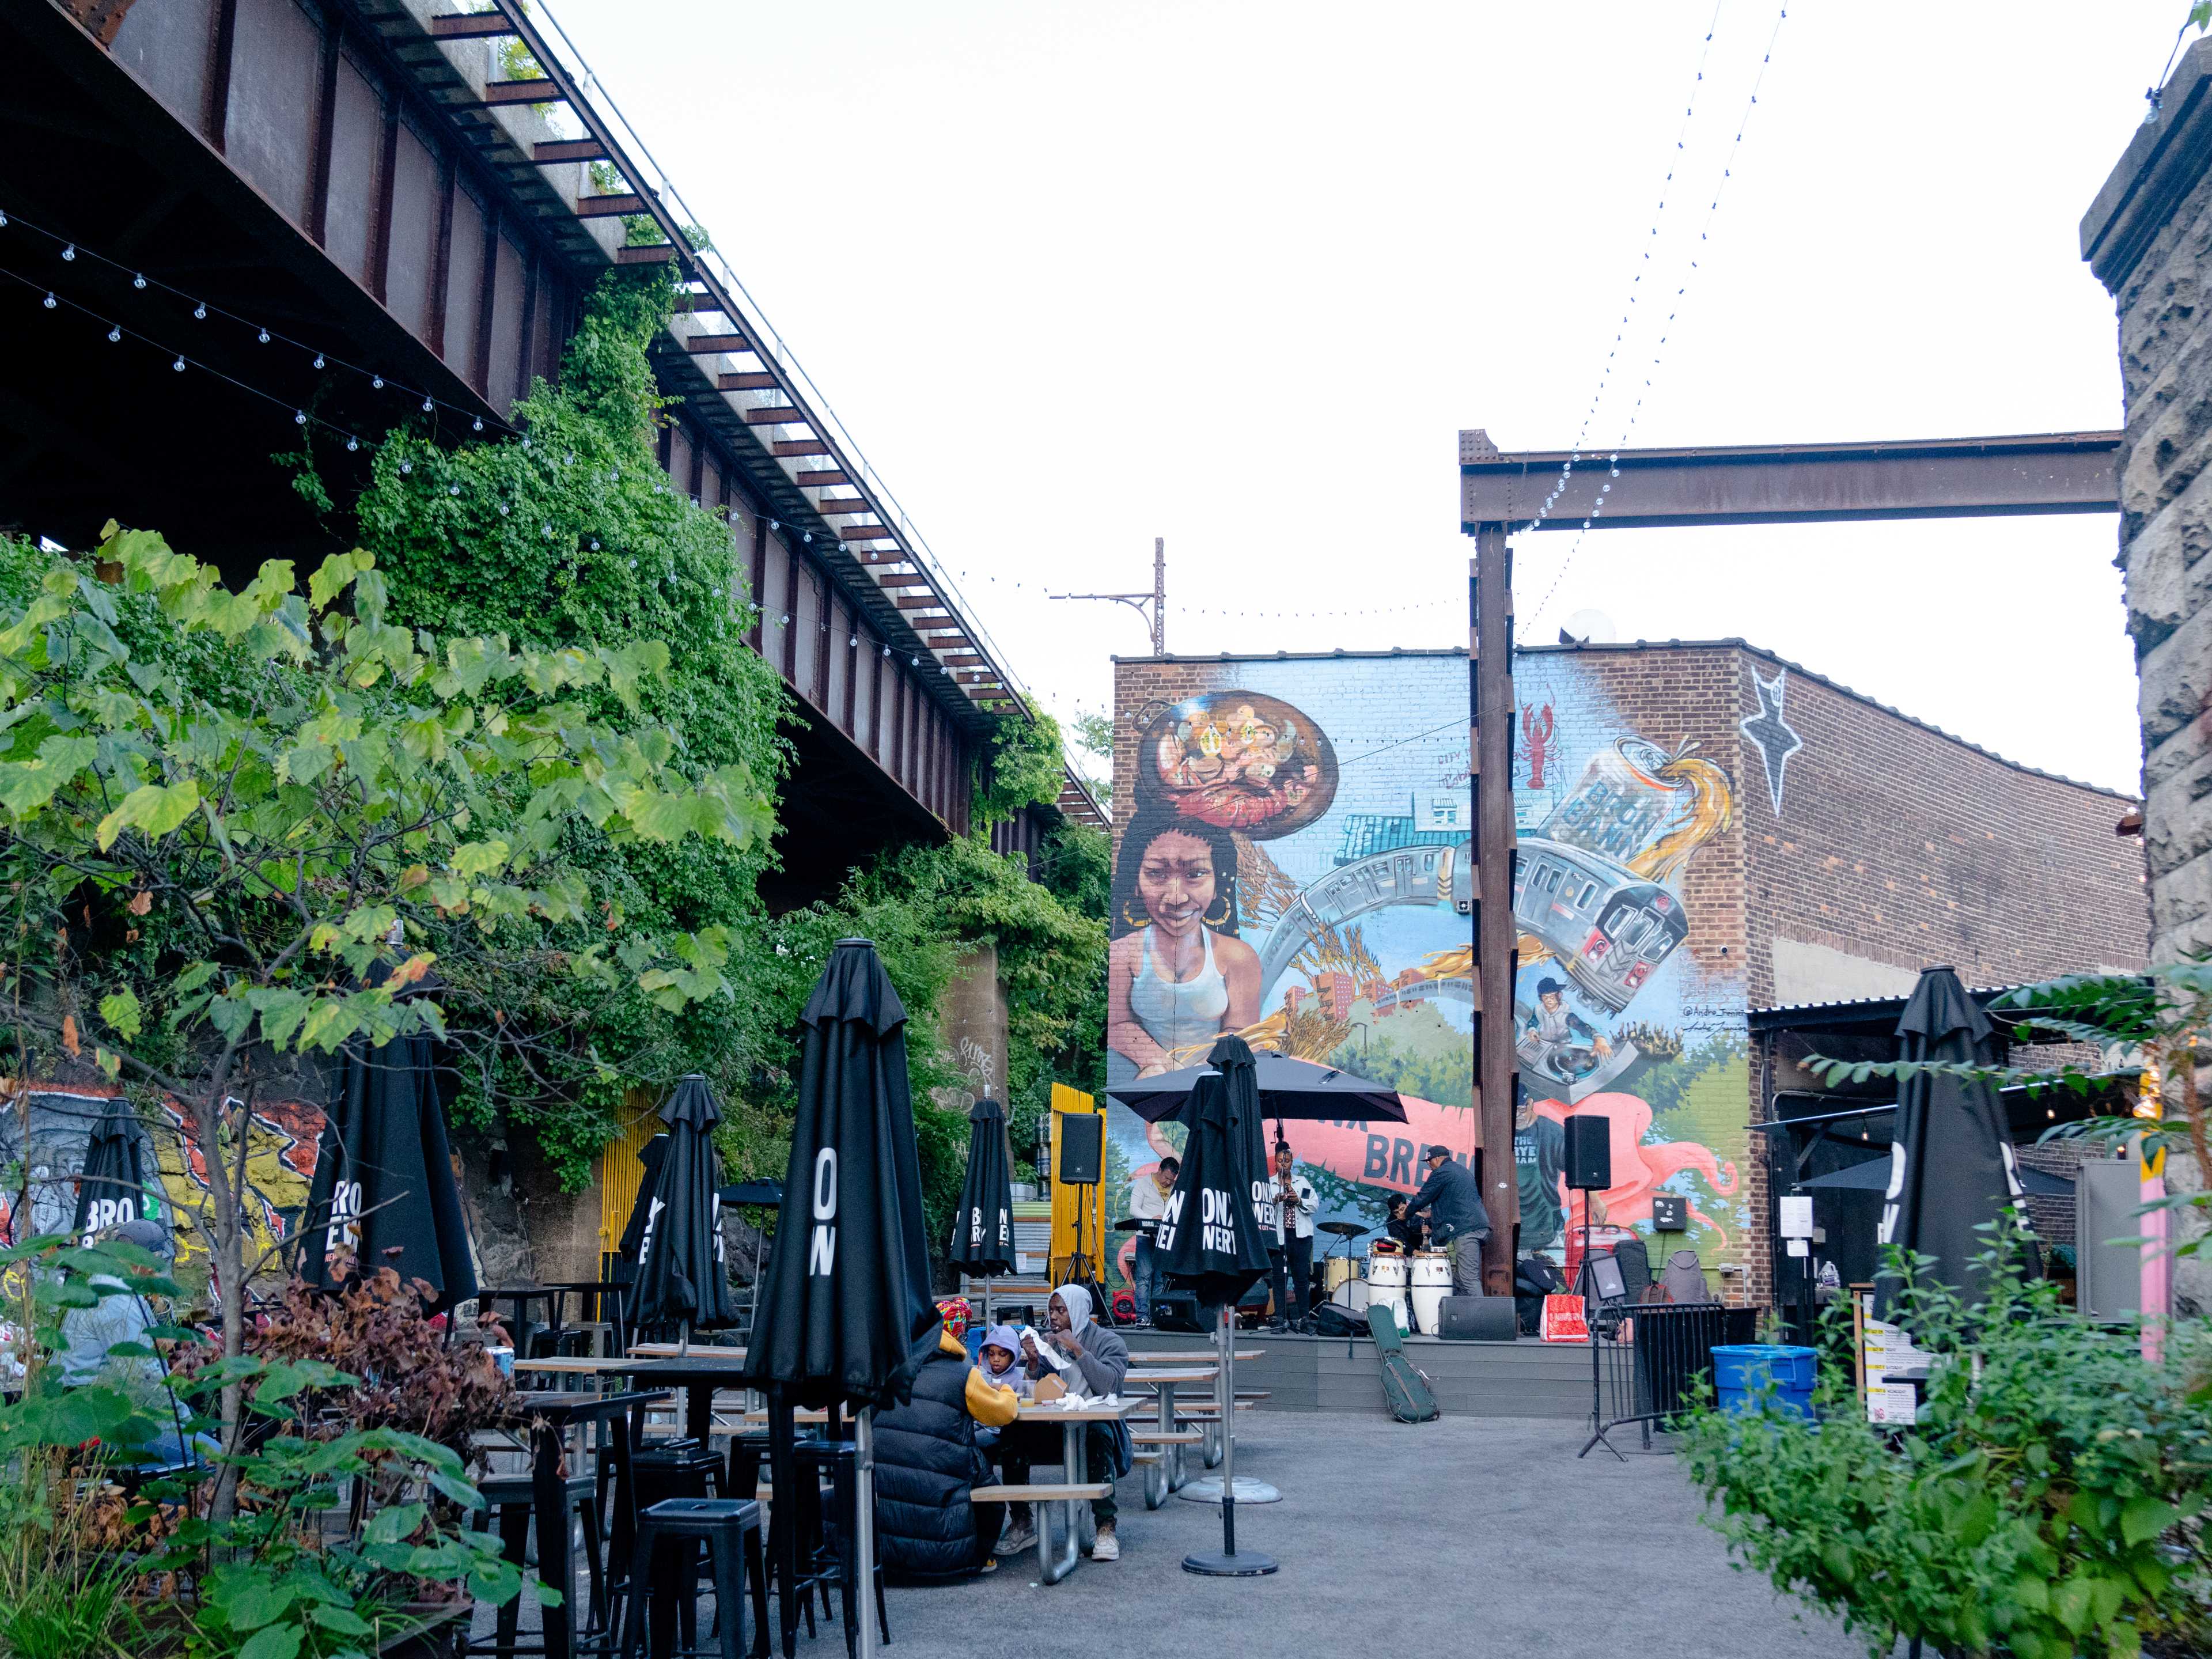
<point x="1220" y="902"/>
<point x="1130" y="919"/>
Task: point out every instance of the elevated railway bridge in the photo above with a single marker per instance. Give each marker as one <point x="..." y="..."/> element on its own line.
<point x="368" y="176"/>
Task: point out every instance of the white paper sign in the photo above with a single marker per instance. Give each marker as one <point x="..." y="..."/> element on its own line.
<point x="1798" y="1247"/>
<point x="1892" y="1402"/>
<point x="1798" y="1218"/>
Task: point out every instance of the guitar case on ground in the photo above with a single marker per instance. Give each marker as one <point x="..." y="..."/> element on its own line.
<point x="1405" y="1386"/>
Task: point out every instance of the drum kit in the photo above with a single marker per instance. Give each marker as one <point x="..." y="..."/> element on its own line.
<point x="1411" y="1283"/>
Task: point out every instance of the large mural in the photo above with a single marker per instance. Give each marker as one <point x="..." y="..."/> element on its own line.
<point x="280" y="1165"/>
<point x="1294" y="867"/>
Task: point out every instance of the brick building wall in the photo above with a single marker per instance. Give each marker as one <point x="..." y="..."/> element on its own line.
<point x="1807" y="837"/>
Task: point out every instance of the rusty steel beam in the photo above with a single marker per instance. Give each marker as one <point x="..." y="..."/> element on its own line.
<point x="776" y="414"/>
<point x="825" y="478"/>
<point x="751" y="380"/>
<point x="521" y="92"/>
<point x="802" y="446"/>
<point x="831" y="506"/>
<point x="613" y="207"/>
<point x="706" y="345"/>
<point x="470" y="26"/>
<point x="652" y="253"/>
<point x="1789" y="483"/>
<point x="555" y="151"/>
<point x="865" y="532"/>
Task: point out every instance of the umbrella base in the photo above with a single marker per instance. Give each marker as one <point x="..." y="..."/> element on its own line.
<point x="1212" y="1564"/>
<point x="1208" y="1491"/>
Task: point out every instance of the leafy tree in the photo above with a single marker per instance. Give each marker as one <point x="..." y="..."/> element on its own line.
<point x="345" y="830"/>
<point x="1024" y="767"/>
<point x="574" y="538"/>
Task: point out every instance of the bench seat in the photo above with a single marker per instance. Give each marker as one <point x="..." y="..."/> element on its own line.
<point x="1055" y="1493"/>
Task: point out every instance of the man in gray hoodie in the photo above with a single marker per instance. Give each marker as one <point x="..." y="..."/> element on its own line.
<point x="1096" y="1360"/>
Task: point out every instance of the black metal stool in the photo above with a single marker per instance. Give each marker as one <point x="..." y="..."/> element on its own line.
<point x="509" y="1502"/>
<point x="838" y="1543"/>
<point x="731" y="1530"/>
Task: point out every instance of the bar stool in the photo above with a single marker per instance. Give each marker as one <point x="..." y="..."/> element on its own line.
<point x="834" y="1561"/>
<point x="509" y="1501"/>
<point x="731" y="1530"/>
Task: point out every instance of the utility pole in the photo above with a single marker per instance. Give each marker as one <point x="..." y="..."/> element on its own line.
<point x="1490" y="756"/>
<point x="1157" y="616"/>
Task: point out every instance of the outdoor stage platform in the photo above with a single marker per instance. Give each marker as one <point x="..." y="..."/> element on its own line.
<point x="1527" y="1378"/>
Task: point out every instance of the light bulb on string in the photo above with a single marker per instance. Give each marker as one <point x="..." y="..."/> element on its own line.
<point x="453" y="490"/>
<point x="406" y="467"/>
<point x="299" y="417"/>
<point x="3" y="222"/>
<point x="199" y="312"/>
<point x="319" y="359"/>
<point x="114" y="335"/>
<point x="178" y="365"/>
<point x="264" y="337"/>
<point x="139" y="281"/>
<point x="425" y="405"/>
<point x="50" y="302"/>
<point x="69" y="252"/>
<point x="477" y="425"/>
<point x="376" y="382"/>
<point x="352" y="442"/>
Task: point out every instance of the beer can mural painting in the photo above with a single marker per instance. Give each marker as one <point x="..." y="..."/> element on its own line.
<point x="1293" y="864"/>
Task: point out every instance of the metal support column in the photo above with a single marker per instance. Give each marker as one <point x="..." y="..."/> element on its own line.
<point x="1490" y="751"/>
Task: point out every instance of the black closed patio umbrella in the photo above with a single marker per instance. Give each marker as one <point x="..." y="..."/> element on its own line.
<point x="682" y="1278"/>
<point x="984" y="1231"/>
<point x="112" y="1190"/>
<point x="384" y="1177"/>
<point x="1214" y="1237"/>
<point x="1952" y="1169"/>
<point x="845" y="1314"/>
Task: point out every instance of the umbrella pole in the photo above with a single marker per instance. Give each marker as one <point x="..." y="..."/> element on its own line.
<point x="864" y="1528"/>
<point x="1228" y="1564"/>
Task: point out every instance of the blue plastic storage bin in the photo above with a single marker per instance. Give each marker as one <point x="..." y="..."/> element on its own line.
<point x="1741" y="1373"/>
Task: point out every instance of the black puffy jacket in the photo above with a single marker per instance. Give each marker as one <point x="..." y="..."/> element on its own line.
<point x="926" y="1459"/>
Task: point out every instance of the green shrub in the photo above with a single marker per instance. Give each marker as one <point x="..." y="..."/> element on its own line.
<point x="2048" y="1503"/>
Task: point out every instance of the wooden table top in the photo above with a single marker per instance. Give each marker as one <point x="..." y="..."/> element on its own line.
<point x="1185" y="1356"/>
<point x="677" y="1350"/>
<point x="1176" y="1374"/>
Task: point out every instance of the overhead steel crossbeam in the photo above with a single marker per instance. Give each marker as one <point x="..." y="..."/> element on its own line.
<point x="1789" y="483"/>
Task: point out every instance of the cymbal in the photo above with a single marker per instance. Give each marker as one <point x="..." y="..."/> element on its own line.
<point x="1343" y="1229"/>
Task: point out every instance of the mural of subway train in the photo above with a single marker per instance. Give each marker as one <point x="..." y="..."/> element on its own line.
<point x="1606" y="926"/>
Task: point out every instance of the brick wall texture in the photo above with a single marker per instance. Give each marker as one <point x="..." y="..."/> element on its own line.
<point x="1848" y="827"/>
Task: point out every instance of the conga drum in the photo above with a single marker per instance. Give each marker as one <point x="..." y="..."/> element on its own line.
<point x="1430" y="1283"/>
<point x="1389" y="1275"/>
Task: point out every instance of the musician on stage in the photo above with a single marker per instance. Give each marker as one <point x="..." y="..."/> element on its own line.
<point x="1457" y="1220"/>
<point x="1291" y="1255"/>
<point x="1407" y="1229"/>
<point x="1148" y="1202"/>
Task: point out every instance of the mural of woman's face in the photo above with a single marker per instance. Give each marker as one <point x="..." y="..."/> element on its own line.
<point x="1176" y="880"/>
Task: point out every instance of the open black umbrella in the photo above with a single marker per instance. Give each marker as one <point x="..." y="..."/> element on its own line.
<point x="1872" y="1176"/>
<point x="845" y="1312"/>
<point x="681" y="1276"/>
<point x="383" y="1179"/>
<point x="112" y="1190"/>
<point x="984" y="1231"/>
<point x="1287" y="1088"/>
<point x="1214" y="1238"/>
<point x="1951" y="1161"/>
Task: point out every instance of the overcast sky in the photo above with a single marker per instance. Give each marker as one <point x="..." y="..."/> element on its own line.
<point x="1236" y="274"/>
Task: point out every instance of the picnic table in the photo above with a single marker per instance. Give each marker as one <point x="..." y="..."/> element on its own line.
<point x="1071" y="1495"/>
<point x="1167" y="1438"/>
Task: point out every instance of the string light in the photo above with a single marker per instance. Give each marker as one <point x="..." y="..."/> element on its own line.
<point x="69" y="250"/>
<point x="1636" y="410"/>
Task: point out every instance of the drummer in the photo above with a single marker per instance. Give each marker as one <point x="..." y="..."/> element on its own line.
<point x="1457" y="1222"/>
<point x="1148" y="1202"/>
<point x="1408" y="1231"/>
